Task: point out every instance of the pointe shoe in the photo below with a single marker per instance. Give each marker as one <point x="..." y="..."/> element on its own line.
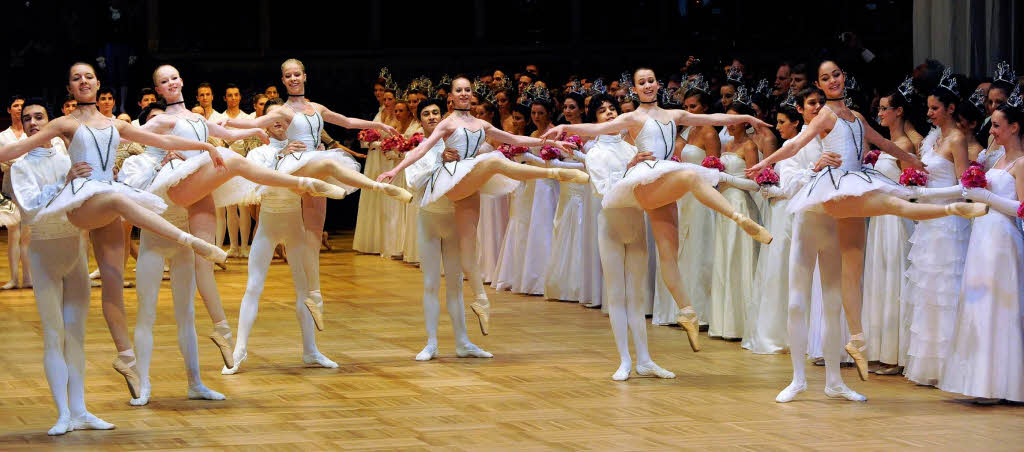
<point x="692" y="328"/>
<point x="62" y="426"/>
<point x="844" y="392"/>
<point x="790" y="392"/>
<point x="428" y="353"/>
<point x="483" y="314"/>
<point x="569" y="175"/>
<point x="131" y="377"/>
<point x="95" y="274"/>
<point x="317" y="187"/>
<point x="754" y="230"/>
<point x="622" y="373"/>
<point x="399" y="193"/>
<point x="201" y="392"/>
<point x="206" y="250"/>
<point x="326" y="243"/>
<point x="889" y="370"/>
<point x="226" y="349"/>
<point x="652" y="369"/>
<point x="316" y="309"/>
<point x="858" y="359"/>
<point x="967" y="209"/>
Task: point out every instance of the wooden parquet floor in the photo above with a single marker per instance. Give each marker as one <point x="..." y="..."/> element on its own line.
<point x="548" y="387"/>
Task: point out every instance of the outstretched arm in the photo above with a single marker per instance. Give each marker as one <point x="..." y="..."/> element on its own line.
<point x="888" y="147"/>
<point x="685" y="118"/>
<point x="444" y="128"/>
<point x="233" y="134"/>
<point x="519" y="140"/>
<point x="339" y="119"/>
<point x="263" y="122"/>
<point x="793" y="145"/>
<point x="40" y="139"/>
<point x="624" y="121"/>
<point x="168" y="142"/>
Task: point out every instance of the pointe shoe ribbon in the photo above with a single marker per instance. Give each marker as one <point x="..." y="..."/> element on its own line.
<point x="131" y="377"/>
<point x="226" y="349"/>
<point x="692" y="328"/>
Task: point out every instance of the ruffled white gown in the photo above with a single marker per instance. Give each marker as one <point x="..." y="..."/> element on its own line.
<point x="235" y="191"/>
<point x="734" y="261"/>
<point x="512" y="256"/>
<point x="564" y="276"/>
<point x="98" y="148"/>
<point x="696" y="229"/>
<point x="986" y="353"/>
<point x="885" y="262"/>
<point x="931" y="289"/>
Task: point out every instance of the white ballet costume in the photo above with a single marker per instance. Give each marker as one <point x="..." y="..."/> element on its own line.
<point x="622" y="239"/>
<point x="565" y="273"/>
<point x="885" y="262"/>
<point x="986" y="352"/>
<point x="237" y="190"/>
<point x="734" y="261"/>
<point x="280" y="223"/>
<point x="508" y="273"/>
<point x="696" y="229"/>
<point x="154" y="251"/>
<point x="97" y="147"/>
<point x="931" y="289"/>
<point x="60" y="283"/>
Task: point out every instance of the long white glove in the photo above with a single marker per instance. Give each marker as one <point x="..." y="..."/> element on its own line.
<point x="938" y="194"/>
<point x="1001" y="204"/>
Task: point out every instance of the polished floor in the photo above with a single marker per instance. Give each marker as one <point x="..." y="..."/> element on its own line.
<point x="547" y="388"/>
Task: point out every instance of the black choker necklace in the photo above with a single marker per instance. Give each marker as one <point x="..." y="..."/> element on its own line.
<point x="83" y="104"/>
<point x="176" y="103"/>
<point x="461" y="109"/>
<point x="829" y="99"/>
<point x="651" y="102"/>
<point x="297" y="95"/>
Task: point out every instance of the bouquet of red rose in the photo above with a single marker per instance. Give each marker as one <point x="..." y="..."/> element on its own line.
<point x="575" y="140"/>
<point x="510" y="151"/>
<point x="549" y="153"/>
<point x="913" y="177"/>
<point x="393" y="143"/>
<point x="413" y="141"/>
<point x="767" y="176"/>
<point x="369" y="135"/>
<point x="872" y="157"/>
<point x="713" y="163"/>
<point x="1020" y="211"/>
<point x="974" y="177"/>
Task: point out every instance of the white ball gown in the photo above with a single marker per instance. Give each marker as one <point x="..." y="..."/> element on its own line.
<point x="494" y="219"/>
<point x="564" y="276"/>
<point x="932" y="285"/>
<point x="512" y="256"/>
<point x="986" y="353"/>
<point x="539" y="237"/>
<point x="734" y="261"/>
<point x="370" y="221"/>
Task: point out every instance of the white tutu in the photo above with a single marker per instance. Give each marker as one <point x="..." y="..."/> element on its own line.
<point x="293" y="162"/>
<point x="834" y="183"/>
<point x="9" y="214"/>
<point x="643" y="173"/>
<point x="235" y="191"/>
<point x="81" y="189"/>
<point x="447" y="175"/>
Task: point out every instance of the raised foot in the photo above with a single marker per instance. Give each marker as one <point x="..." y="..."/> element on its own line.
<point x="62" y="426"/>
<point x="234" y="369"/>
<point x="428" y="353"/>
<point x="858" y="359"/>
<point x="131" y="377"/>
<point x="843" y="392"/>
<point x="754" y="230"/>
<point x="226" y="347"/>
<point x="316" y="309"/>
<point x="201" y="392"/>
<point x="967" y="209"/>
<point x="622" y="373"/>
<point x="398" y="193"/>
<point x="651" y="369"/>
<point x="570" y="175"/>
<point x="483" y="314"/>
<point x="207" y="250"/>
<point x="692" y="328"/>
<point x="471" y="351"/>
<point x="317" y="187"/>
<point x="318" y="359"/>
<point x="90" y="422"/>
<point x="788" y="394"/>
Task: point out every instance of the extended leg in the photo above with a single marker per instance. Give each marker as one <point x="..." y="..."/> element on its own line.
<point x="877" y="204"/>
<point x="327" y="169"/>
<point x="484" y="170"/>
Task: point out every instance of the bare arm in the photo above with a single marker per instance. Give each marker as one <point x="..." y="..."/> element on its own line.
<point x="42" y="138"/>
<point x="685" y="118"/>
<point x="518" y="140"/>
<point x="712" y="144"/>
<point x="815" y="128"/>
<point x="444" y="128"/>
<point x="339" y="119"/>
<point x="166" y="142"/>
<point x="263" y="122"/>
<point x="624" y="121"/>
<point x="888" y="147"/>
<point x="233" y="134"/>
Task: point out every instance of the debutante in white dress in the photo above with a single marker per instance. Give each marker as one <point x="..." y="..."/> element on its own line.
<point x="986" y="353"/>
<point x="494" y="219"/>
<point x="593" y="276"/>
<point x="734" y="261"/>
<point x="932" y="286"/>
<point x="235" y="191"/>
<point x="885" y="262"/>
<point x="539" y="236"/>
<point x="565" y="273"/>
<point x="512" y="256"/>
<point x="696" y="231"/>
<point x="98" y="148"/>
<point x="370" y="222"/>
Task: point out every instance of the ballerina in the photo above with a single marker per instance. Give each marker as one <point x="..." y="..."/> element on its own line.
<point x="462" y="181"/>
<point x="199" y="188"/>
<point x="56" y="254"/>
<point x="849" y="192"/>
<point x="437" y="240"/>
<point x="154" y="251"/>
<point x="93" y="201"/>
<point x="654" y="182"/>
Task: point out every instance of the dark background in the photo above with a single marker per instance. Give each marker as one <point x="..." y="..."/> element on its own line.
<point x="344" y="44"/>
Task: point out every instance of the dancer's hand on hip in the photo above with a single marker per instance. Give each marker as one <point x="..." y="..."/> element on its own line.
<point x="80" y="169"/>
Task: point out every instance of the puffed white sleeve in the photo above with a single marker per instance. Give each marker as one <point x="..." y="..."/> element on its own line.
<point x="605" y="170"/>
<point x="262" y="155"/>
<point x="35" y="184"/>
<point x="138" y="171"/>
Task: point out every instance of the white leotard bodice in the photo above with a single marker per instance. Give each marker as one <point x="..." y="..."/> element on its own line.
<point x="306" y="128"/>
<point x="846" y="139"/>
<point x="98" y="148"/>
<point x="657" y="138"/>
<point x="466" y="142"/>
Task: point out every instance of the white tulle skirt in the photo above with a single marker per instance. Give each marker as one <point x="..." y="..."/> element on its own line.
<point x="235" y="191"/>
<point x="833" y="183"/>
<point x="81" y="189"/>
<point x="643" y="173"/>
<point x="986" y="357"/>
<point x="447" y="175"/>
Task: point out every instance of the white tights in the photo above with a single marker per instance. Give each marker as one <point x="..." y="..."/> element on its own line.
<point x="275" y="228"/>
<point x="61" y="289"/>
<point x="439" y="243"/>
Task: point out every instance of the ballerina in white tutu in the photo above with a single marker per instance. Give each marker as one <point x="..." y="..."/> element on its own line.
<point x="850" y="192"/>
<point x="653" y="182"/>
<point x="92" y="200"/>
<point x="462" y="181"/>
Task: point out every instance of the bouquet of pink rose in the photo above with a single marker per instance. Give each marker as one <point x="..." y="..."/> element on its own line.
<point x="767" y="176"/>
<point x="510" y="152"/>
<point x="974" y="177"/>
<point x="713" y="163"/>
<point x="369" y="135"/>
<point x="412" y="142"/>
<point x="913" y="177"/>
<point x="549" y="153"/>
<point x="393" y="143"/>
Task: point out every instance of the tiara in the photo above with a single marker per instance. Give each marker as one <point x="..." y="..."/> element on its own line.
<point x="734" y="75"/>
<point x="699" y="84"/>
<point x="536" y="93"/>
<point x="906" y="88"/>
<point x="391" y="85"/>
<point x="576" y="87"/>
<point x="742" y="97"/>
<point x="668" y="97"/>
<point x="446" y="80"/>
<point x="1014" y="99"/>
<point x="384" y="74"/>
<point x="851" y="83"/>
<point x="1004" y="73"/>
<point x="626" y="80"/>
<point x="948" y="82"/>
<point x="597" y="88"/>
<point x="978" y="99"/>
<point x="504" y="85"/>
<point x="763" y="88"/>
<point x="483" y="91"/>
<point x="790" y="100"/>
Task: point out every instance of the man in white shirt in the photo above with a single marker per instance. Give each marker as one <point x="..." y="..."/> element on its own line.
<point x="204" y="95"/>
<point x="237" y="218"/>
